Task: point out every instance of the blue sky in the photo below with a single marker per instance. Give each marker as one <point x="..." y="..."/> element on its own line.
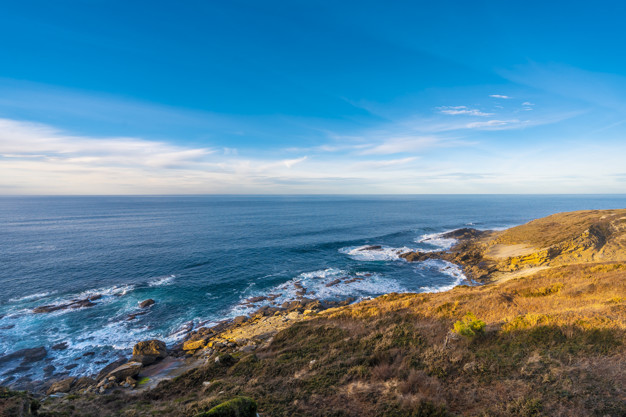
<point x="153" y="97"/>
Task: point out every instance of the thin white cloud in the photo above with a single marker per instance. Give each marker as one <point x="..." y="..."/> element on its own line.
<point x="462" y="110"/>
<point x="528" y="103"/>
<point x="495" y="124"/>
<point x="405" y="144"/>
<point x="500" y="96"/>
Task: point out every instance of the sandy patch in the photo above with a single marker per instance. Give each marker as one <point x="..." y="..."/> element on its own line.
<point x="501" y="251"/>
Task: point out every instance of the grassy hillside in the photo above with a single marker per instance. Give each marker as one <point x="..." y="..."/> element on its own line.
<point x="549" y="343"/>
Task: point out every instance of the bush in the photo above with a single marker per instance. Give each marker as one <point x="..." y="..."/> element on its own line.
<point x="237" y="407"/>
<point x="469" y="326"/>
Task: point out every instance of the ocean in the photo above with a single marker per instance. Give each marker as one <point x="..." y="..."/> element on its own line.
<point x="201" y="257"/>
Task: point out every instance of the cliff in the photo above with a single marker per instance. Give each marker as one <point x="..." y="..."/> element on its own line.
<point x="545" y="335"/>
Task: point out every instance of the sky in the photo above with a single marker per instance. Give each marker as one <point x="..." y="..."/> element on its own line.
<point x="312" y="97"/>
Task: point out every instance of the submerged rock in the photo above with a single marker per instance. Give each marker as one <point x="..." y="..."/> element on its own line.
<point x="27" y="355"/>
<point x="74" y="304"/>
<point x="60" y="346"/>
<point x="146" y="303"/>
<point x="372" y="247"/>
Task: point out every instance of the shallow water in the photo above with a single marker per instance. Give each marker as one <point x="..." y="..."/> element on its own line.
<point x="201" y="257"/>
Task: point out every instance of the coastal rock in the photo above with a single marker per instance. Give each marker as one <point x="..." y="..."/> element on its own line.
<point x="122" y="372"/>
<point x="61" y="386"/>
<point x="146" y="303"/>
<point x="373" y="247"/>
<point x="463" y="234"/>
<point x="151" y="347"/>
<point x="194" y="344"/>
<point x="27" y="355"/>
<point x="74" y="304"/>
<point x="105" y="371"/>
<point x="59" y="346"/>
<point x="82" y="383"/>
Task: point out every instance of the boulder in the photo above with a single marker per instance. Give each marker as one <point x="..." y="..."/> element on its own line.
<point x="149" y="351"/>
<point x="122" y="372"/>
<point x="152" y="347"/>
<point x="146" y="303"/>
<point x="105" y="371"/>
<point x="61" y="386"/>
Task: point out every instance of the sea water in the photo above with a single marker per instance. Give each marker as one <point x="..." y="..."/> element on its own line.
<point x="201" y="257"/>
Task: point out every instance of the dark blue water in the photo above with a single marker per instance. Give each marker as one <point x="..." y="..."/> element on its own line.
<point x="200" y="257"/>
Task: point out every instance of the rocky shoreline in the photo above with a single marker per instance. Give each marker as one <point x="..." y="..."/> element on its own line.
<point x="151" y="361"/>
<point x="403" y="352"/>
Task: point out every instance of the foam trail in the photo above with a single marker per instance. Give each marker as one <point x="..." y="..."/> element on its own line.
<point x="437" y="240"/>
<point x="377" y="253"/>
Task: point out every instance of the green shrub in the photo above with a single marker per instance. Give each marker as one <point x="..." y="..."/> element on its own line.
<point x="469" y="326"/>
<point x="237" y="407"/>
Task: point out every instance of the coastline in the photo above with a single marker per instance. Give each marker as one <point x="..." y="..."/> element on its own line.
<point x="545" y="288"/>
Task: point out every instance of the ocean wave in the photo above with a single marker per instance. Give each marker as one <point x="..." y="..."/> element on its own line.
<point x="444" y="267"/>
<point x="162" y="281"/>
<point x="374" y="252"/>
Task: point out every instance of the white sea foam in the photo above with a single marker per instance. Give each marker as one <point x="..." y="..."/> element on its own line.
<point x="107" y="295"/>
<point x="324" y="284"/>
<point x="162" y="281"/>
<point x="32" y="296"/>
<point x="437" y="240"/>
<point x="382" y="253"/>
<point x="445" y="267"/>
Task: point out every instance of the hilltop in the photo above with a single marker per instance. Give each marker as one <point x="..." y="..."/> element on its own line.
<point x="542" y="333"/>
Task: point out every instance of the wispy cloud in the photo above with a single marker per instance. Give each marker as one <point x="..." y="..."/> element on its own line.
<point x="406" y="144"/>
<point x="462" y="110"/>
<point x="500" y="96"/>
<point x="496" y="124"/>
<point x="36" y="141"/>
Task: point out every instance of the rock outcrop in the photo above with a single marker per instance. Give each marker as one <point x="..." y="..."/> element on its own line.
<point x="149" y="351"/>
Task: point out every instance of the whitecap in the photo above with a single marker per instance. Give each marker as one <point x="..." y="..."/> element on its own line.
<point x="32" y="296"/>
<point x="162" y="281"/>
<point x="438" y="240"/>
<point x="374" y="252"/>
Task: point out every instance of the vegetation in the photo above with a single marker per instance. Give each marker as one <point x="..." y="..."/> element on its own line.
<point x="237" y="407"/>
<point x="469" y="326"/>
